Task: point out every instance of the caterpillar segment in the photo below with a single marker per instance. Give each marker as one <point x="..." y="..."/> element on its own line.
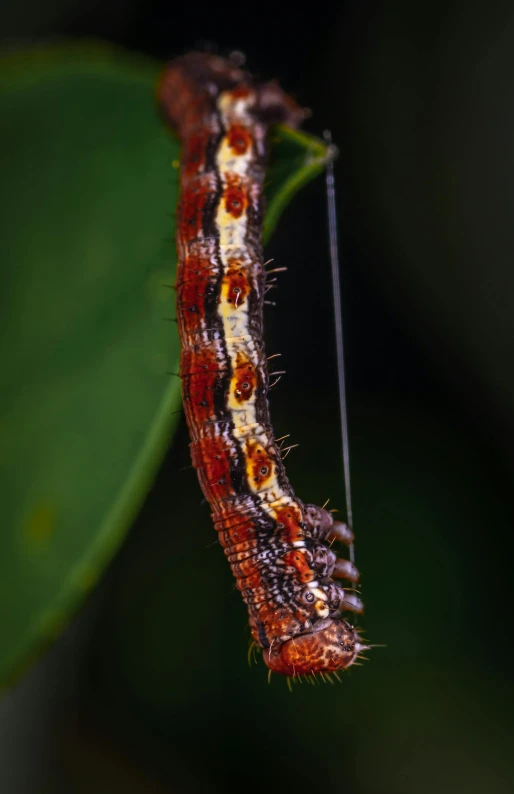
<point x="278" y="547"/>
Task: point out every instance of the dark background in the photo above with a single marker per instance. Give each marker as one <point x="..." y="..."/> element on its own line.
<point x="134" y="699"/>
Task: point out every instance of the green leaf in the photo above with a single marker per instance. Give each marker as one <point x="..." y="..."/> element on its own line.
<point x="87" y="405"/>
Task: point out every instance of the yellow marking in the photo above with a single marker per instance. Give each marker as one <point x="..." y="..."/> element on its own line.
<point x="245" y="430"/>
<point x="269" y="496"/>
<point x="254" y="430"/>
<point x="321" y="609"/>
<point x="236" y="163"/>
<point x="243" y="346"/>
<point x="270" y="480"/>
<point x="234" y="317"/>
<point x="232" y="234"/>
<point x="271" y="488"/>
<point x="241" y="414"/>
<point x="284" y="500"/>
<point x="39" y="526"/>
<point x="273" y="507"/>
<point x="234" y="110"/>
<point x="232" y="230"/>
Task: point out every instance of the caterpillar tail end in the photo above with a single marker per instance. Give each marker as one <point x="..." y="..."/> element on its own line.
<point x="332" y="645"/>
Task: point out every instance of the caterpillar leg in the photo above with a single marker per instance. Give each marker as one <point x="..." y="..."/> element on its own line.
<point x="326" y="563"/>
<point x="344" y="569"/>
<point x="352" y="603"/>
<point x="322" y="526"/>
<point x="342" y="532"/>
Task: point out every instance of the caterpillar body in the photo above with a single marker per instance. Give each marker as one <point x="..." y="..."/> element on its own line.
<point x="277" y="546"/>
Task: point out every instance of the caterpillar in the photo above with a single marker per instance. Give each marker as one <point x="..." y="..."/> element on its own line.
<point x="278" y="548"/>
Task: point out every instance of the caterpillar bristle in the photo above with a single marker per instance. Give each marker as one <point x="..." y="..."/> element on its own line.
<point x="287" y="450"/>
<point x="251" y="653"/>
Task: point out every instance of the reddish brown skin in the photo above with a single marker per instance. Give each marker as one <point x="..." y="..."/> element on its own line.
<point x="307" y="654"/>
<point x="194" y="152"/>
<point x="258" y="544"/>
<point x="209" y="457"/>
<point x="297" y="561"/>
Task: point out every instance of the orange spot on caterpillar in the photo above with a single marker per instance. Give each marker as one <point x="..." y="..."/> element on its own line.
<point x="244" y="380"/>
<point x="260" y="465"/>
<point x="241" y="91"/>
<point x="239" y="139"/>
<point x="290" y="518"/>
<point x="234" y="196"/>
<point x="298" y="561"/>
<point x="236" y="284"/>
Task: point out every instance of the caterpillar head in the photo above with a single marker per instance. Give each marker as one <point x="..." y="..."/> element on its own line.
<point x="331" y="644"/>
